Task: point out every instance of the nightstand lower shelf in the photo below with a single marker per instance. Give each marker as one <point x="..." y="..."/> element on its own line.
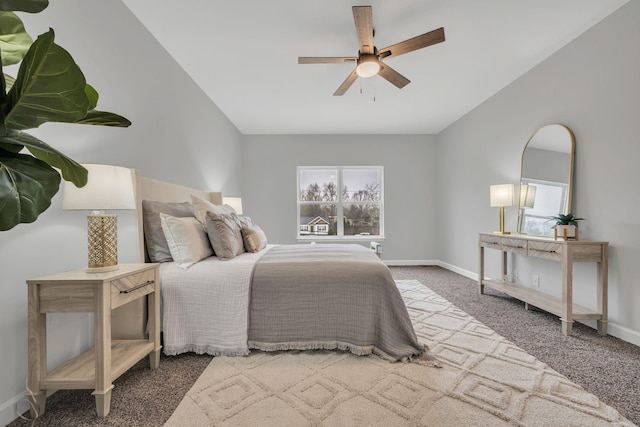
<point x="80" y="372"/>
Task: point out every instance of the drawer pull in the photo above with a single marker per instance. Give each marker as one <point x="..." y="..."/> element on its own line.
<point x="142" y="285"/>
<point x="552" y="251"/>
<point x="513" y="246"/>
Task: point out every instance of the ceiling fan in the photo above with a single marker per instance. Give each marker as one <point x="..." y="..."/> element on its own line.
<point x="368" y="62"/>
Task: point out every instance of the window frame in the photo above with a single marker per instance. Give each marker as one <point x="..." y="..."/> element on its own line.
<point x="339" y="205"/>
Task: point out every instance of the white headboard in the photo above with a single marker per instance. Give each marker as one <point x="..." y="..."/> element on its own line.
<point x="161" y="191"/>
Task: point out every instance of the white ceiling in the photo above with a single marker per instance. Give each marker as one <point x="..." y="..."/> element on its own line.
<point x="243" y="54"/>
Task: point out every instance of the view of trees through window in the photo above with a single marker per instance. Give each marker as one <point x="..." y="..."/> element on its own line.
<point x="354" y="210"/>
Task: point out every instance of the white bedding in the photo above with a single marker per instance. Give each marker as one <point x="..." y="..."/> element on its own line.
<point x="212" y="317"/>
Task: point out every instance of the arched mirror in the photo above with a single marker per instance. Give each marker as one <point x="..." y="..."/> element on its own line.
<point x="546" y="175"/>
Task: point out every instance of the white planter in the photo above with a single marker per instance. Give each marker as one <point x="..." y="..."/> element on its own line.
<point x="565" y="232"/>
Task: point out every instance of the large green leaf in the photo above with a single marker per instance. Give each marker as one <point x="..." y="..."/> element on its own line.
<point x="32" y="6"/>
<point x="8" y="81"/>
<point x="27" y="186"/>
<point x="92" y="96"/>
<point x="14" y="40"/>
<point x="49" y="87"/>
<point x="71" y="170"/>
<point x="100" y="118"/>
<point x="104" y="118"/>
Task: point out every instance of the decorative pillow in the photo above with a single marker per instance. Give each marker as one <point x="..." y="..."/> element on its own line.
<point x="224" y="234"/>
<point x="156" y="243"/>
<point x="245" y="221"/>
<point x="254" y="238"/>
<point x="186" y="239"/>
<point x="201" y="206"/>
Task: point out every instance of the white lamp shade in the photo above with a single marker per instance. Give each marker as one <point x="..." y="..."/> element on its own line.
<point x="234" y="202"/>
<point x="527" y="195"/>
<point x="108" y="187"/>
<point x="501" y="195"/>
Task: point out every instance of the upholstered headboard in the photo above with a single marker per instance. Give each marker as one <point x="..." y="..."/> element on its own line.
<point x="161" y="191"/>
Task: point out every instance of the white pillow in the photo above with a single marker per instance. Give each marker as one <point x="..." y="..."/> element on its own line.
<point x="187" y="240"/>
<point x="201" y="206"/>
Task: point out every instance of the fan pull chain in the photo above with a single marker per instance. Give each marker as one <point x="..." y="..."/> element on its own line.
<point x="374" y="91"/>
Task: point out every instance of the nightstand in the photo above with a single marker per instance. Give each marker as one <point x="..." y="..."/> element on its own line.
<point x="78" y="291"/>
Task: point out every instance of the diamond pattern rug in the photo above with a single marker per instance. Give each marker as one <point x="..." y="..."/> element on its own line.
<point x="484" y="380"/>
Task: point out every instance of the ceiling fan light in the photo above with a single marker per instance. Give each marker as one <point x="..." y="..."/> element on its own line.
<point x="367" y="69"/>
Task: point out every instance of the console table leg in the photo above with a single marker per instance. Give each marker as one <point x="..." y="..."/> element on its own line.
<point x="567" y="326"/>
<point x="602" y="327"/>
<point x="103" y="402"/>
<point x="37" y="403"/>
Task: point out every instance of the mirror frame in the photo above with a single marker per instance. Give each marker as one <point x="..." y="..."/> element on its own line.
<point x="569" y="183"/>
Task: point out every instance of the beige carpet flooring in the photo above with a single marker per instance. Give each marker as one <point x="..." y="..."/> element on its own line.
<point x="484" y="380"/>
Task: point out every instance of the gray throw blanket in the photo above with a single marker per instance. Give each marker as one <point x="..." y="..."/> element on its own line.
<point x="329" y="296"/>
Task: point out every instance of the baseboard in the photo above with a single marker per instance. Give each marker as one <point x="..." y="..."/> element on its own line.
<point x="466" y="273"/>
<point x="615" y="330"/>
<point x="409" y="262"/>
<point x="8" y="409"/>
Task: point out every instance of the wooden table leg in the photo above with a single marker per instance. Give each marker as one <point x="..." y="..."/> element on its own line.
<point x="154" y="323"/>
<point x="481" y="272"/>
<point x="102" y="338"/>
<point x="603" y="290"/>
<point x="37" y="346"/>
<point x="567" y="290"/>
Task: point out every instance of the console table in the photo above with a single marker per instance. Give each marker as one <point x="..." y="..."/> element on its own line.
<point x="565" y="251"/>
<point x="79" y="291"/>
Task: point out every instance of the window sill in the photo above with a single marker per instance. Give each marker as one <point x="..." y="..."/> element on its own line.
<point x="334" y="239"/>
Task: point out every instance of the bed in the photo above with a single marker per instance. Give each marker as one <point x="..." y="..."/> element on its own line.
<point x="279" y="297"/>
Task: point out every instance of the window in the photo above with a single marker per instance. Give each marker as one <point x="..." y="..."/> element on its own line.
<point x="551" y="198"/>
<point x="354" y="211"/>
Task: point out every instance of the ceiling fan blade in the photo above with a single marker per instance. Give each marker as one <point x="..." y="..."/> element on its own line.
<point x="415" y="43"/>
<point x="391" y="75"/>
<point x="325" y="60"/>
<point x="344" y="87"/>
<point x="363" y="18"/>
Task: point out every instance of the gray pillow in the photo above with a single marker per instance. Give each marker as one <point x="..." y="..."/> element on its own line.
<point x="155" y="241"/>
<point x="254" y="238"/>
<point x="224" y="234"/>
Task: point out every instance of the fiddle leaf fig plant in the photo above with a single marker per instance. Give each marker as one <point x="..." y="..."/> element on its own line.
<point x="49" y="87"/>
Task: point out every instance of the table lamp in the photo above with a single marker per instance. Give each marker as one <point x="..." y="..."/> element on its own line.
<point x="108" y="188"/>
<point x="501" y="195"/>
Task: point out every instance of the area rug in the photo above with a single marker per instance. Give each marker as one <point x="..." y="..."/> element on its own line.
<point x="483" y="380"/>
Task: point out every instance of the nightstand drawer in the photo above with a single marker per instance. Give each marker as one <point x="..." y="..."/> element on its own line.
<point x="546" y="250"/>
<point x="132" y="287"/>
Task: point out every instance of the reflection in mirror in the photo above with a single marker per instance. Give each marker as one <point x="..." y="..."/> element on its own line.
<point x="545" y="179"/>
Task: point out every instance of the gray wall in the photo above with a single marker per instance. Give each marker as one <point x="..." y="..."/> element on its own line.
<point x="592" y="86"/>
<point x="269" y="192"/>
<point x="178" y="134"/>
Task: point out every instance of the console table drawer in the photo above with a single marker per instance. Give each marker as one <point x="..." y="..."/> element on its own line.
<point x="517" y="246"/>
<point x="546" y="250"/>
<point x="489" y="241"/>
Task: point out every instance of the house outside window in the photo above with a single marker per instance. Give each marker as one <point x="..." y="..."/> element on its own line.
<point x="356" y="211"/>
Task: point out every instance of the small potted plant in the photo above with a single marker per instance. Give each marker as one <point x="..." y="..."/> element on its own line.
<point x="566" y="226"/>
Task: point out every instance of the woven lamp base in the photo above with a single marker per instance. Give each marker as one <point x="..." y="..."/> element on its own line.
<point x="103" y="243"/>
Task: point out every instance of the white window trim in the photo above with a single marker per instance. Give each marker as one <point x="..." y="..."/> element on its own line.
<point x="340" y="223"/>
